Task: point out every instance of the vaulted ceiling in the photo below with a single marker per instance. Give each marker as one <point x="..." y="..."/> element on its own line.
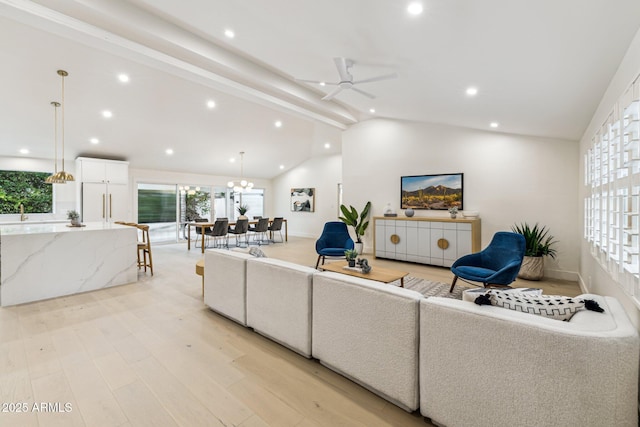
<point x="540" y="68"/>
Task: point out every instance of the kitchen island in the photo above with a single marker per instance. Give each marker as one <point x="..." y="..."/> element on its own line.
<point x="41" y="261"/>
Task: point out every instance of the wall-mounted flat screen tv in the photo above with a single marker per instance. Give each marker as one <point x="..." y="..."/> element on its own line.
<point x="436" y="192"/>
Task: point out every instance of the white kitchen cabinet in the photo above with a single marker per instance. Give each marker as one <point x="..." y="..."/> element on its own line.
<point x="435" y="241"/>
<point x="103" y="190"/>
<point x="99" y="170"/>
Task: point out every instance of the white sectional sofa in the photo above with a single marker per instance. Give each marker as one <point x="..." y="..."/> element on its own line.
<point x="225" y="283"/>
<point x="368" y="331"/>
<point x="279" y="302"/>
<point x="489" y="366"/>
<point x="460" y="363"/>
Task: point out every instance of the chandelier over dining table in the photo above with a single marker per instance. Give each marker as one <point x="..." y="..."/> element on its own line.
<point x="243" y="184"/>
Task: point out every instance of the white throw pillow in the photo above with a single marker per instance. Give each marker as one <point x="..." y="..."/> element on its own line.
<point x="552" y="306"/>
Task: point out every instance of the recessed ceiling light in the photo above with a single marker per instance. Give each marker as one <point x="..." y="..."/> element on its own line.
<point x="415" y="8"/>
<point x="281" y="166"/>
<point x="211" y="104"/>
<point x="372" y="110"/>
<point x="327" y="145"/>
<point x="322" y="84"/>
<point x="123" y="78"/>
<point x="494" y="124"/>
<point x="278" y="124"/>
<point x="107" y="114"/>
<point x="94" y="141"/>
<point x="229" y="33"/>
<point x="169" y="151"/>
<point x="472" y="91"/>
<point x="232" y="160"/>
<point x="24" y="151"/>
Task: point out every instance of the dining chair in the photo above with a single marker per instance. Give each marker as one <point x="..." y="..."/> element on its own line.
<point x="240" y="229"/>
<point x="219" y="232"/>
<point x="260" y="230"/>
<point x="276" y="225"/>
<point x="207" y="231"/>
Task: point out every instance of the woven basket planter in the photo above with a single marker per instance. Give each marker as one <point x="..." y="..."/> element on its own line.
<point x="532" y="268"/>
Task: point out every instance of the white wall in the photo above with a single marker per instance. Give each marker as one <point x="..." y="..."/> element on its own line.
<point x="507" y="178"/>
<point x="322" y="173"/>
<point x="592" y="275"/>
<point x="64" y="195"/>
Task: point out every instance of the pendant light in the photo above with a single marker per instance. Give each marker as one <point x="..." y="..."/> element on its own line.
<point x="62" y="175"/>
<point x="53" y="179"/>
<point x="243" y="184"/>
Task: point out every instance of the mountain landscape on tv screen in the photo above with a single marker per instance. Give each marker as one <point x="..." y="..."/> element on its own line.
<point x="438" y="197"/>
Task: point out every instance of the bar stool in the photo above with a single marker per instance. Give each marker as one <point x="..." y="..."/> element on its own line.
<point x="144" y="249"/>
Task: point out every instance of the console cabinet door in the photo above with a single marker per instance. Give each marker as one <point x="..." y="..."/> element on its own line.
<point x="413" y="241"/>
<point x="381" y="249"/>
<point x="400" y="240"/>
<point x="463" y="245"/>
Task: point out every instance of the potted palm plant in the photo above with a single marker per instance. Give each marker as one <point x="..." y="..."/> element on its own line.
<point x="242" y="210"/>
<point x="357" y="221"/>
<point x="538" y="244"/>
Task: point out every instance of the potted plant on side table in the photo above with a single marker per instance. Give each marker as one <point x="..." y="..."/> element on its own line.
<point x="538" y="244"/>
<point x="351" y="255"/>
<point x="357" y="221"/>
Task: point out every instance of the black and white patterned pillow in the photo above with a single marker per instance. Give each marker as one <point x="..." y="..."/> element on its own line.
<point x="553" y="306"/>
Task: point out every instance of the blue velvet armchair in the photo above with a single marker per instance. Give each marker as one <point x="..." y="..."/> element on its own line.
<point x="334" y="241"/>
<point x="498" y="264"/>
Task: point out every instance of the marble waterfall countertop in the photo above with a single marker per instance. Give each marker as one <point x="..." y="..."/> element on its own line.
<point x="26" y="227"/>
<point x="46" y="260"/>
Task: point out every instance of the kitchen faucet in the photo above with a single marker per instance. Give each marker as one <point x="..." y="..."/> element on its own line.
<point x="23" y="217"/>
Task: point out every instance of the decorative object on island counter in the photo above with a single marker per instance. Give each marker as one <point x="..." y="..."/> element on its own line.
<point x="358" y="222"/>
<point x="74" y="216"/>
<point x="351" y="255"/>
<point x="409" y="212"/>
<point x="538" y="244"/>
<point x="454" y="212"/>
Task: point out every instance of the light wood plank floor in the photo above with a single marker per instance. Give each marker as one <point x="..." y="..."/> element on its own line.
<point x="151" y="354"/>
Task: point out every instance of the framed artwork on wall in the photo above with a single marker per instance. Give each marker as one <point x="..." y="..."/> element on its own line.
<point x="302" y="199"/>
<point x="437" y="192"/>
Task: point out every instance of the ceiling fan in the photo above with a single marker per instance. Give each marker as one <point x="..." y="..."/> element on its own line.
<point x="346" y="79"/>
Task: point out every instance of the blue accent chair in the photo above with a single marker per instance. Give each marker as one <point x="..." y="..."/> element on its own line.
<point x="498" y="264"/>
<point x="334" y="241"/>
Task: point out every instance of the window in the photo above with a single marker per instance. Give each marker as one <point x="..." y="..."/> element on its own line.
<point x="612" y="207"/>
<point x="27" y="189"/>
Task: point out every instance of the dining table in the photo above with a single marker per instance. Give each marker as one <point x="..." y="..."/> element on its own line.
<point x="204" y="225"/>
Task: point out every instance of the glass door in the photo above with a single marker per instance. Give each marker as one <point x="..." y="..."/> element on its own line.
<point x="157" y="209"/>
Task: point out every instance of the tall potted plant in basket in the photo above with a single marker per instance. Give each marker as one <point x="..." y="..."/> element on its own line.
<point x="539" y="243"/>
<point x="359" y="222"/>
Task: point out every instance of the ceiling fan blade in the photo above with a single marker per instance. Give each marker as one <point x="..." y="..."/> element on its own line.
<point x="343" y="65"/>
<point x="317" y="82"/>
<point x="375" y="79"/>
<point x="330" y="96"/>
<point x="367" y="94"/>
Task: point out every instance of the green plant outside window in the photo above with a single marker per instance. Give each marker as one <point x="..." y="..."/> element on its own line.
<point x="27" y="189"/>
